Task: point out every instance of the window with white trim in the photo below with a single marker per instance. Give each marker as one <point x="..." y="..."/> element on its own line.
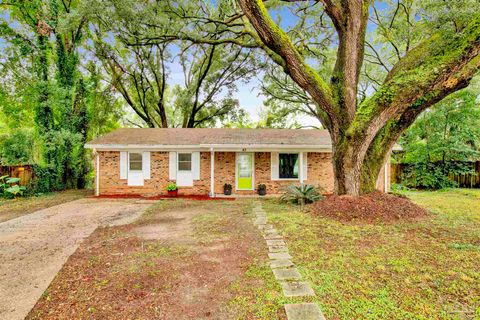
<point x="135" y="161"/>
<point x="288" y="165"/>
<point x="184" y="162"/>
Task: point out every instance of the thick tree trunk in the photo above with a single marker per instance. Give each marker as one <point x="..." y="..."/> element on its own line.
<point x="353" y="174"/>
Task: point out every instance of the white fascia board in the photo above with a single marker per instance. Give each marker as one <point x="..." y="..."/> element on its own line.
<point x="269" y="147"/>
<point x="145" y="147"/>
<point x="208" y="147"/>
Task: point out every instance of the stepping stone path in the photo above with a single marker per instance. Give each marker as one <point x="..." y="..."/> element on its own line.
<point x="285" y="271"/>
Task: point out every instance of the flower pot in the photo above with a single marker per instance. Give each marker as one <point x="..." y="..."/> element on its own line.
<point x="227" y="189"/>
<point x="172" y="193"/>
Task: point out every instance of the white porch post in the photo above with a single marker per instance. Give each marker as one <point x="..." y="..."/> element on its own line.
<point x="300" y="168"/>
<point x="97" y="175"/>
<point x="212" y="173"/>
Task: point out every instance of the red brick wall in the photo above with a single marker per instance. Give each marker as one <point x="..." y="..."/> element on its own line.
<point x="319" y="174"/>
<point x="111" y="184"/>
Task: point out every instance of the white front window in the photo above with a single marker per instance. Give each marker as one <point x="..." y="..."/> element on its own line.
<point x="184" y="170"/>
<point x="184" y="162"/>
<point x="135" y="162"/>
<point x="288" y="165"/>
<point x="135" y="169"/>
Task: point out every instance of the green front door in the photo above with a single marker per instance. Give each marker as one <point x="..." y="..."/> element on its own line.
<point x="245" y="171"/>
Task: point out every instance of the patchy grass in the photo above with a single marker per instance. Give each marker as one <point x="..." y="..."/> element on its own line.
<point x="421" y="269"/>
<point x="212" y="264"/>
<point x="13" y="208"/>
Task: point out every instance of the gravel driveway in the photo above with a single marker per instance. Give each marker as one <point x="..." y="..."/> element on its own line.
<point x="34" y="247"/>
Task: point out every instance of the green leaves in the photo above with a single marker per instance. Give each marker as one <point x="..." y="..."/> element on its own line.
<point x="9" y="187"/>
<point x="16" y="190"/>
<point x="302" y="194"/>
<point x="450" y="131"/>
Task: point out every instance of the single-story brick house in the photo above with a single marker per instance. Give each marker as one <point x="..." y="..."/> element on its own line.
<point x="200" y="161"/>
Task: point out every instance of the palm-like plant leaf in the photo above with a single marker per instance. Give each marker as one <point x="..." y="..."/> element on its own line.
<point x="301" y="194"/>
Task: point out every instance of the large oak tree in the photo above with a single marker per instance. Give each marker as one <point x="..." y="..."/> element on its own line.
<point x="364" y="133"/>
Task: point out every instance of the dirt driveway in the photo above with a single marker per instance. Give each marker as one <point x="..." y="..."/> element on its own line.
<point x="182" y="260"/>
<point x="34" y="247"/>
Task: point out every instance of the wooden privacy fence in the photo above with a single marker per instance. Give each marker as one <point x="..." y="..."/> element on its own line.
<point x="24" y="172"/>
<point x="463" y="180"/>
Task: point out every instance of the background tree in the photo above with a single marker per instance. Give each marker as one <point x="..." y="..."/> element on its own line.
<point x="45" y="88"/>
<point x="444" y="140"/>
<point x="141" y="71"/>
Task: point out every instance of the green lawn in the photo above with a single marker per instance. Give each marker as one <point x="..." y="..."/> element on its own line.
<point x="424" y="269"/>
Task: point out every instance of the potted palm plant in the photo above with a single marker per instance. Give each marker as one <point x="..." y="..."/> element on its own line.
<point x="262" y="189"/>
<point x="227" y="189"/>
<point x="172" y="190"/>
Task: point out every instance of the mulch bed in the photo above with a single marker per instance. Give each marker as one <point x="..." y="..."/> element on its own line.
<point x="372" y="207"/>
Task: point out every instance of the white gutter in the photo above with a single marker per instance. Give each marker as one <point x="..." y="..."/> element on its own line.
<point x="217" y="147"/>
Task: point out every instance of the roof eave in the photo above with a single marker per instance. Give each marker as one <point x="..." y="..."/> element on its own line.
<point x="207" y="147"/>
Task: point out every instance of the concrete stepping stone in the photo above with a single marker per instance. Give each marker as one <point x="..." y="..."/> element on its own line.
<point x="279" y="256"/>
<point x="287" y="274"/>
<point x="303" y="311"/>
<point x="284" y="263"/>
<point x="260" y="221"/>
<point x="274" y="249"/>
<point x="269" y="229"/>
<point x="297" y="289"/>
<point x="273" y="236"/>
<point x="276" y="243"/>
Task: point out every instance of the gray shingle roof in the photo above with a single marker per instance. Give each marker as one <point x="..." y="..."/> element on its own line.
<point x="213" y="136"/>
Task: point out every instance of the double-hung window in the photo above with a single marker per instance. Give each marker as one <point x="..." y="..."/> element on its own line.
<point x="288" y="165"/>
<point x="135" y="163"/>
<point x="184" y="162"/>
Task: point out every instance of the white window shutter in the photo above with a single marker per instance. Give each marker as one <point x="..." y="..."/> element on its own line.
<point x="146" y="165"/>
<point x="274" y="165"/>
<point x="172" y="166"/>
<point x="196" y="165"/>
<point x="305" y="166"/>
<point x="123" y="164"/>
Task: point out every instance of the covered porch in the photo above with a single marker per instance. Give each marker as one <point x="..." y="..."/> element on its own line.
<point x="244" y="169"/>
